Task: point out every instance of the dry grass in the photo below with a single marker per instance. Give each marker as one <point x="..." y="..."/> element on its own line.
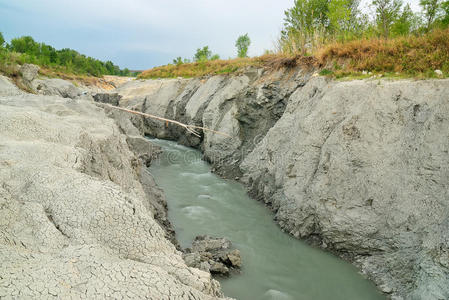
<point x="413" y="55"/>
<point x="231" y="66"/>
<point x="199" y="69"/>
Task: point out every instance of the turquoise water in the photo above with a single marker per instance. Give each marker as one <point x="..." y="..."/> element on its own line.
<point x="275" y="265"/>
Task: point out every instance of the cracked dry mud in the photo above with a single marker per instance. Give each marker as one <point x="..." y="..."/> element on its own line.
<point x="74" y="219"/>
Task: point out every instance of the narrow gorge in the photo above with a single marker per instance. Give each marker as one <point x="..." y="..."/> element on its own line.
<point x="358" y="168"/>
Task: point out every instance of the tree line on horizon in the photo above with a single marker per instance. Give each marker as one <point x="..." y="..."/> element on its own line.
<point x="310" y="24"/>
<point x="26" y="50"/>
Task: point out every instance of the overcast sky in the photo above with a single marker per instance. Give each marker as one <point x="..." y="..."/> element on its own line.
<point x="140" y="34"/>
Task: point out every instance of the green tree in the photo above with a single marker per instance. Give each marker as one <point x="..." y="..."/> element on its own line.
<point x="445" y="14"/>
<point x="125" y="72"/>
<point x="242" y="45"/>
<point x="202" y="54"/>
<point x="311" y="23"/>
<point x="303" y="23"/>
<point x="340" y="16"/>
<point x="306" y="15"/>
<point x="25" y="44"/>
<point x="406" y="23"/>
<point x="215" y="57"/>
<point x="65" y="56"/>
<point x="430" y="11"/>
<point x="109" y="65"/>
<point x="2" y="40"/>
<point x="178" y="61"/>
<point x="387" y="12"/>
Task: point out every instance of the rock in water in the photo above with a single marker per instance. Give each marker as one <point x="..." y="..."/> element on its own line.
<point x="219" y="269"/>
<point x="205" y="243"/>
<point x="213" y="255"/>
<point x="234" y="258"/>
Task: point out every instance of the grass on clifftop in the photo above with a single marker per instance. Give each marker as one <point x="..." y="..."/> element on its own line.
<point x="198" y="69"/>
<point x="410" y="56"/>
<point x="216" y="67"/>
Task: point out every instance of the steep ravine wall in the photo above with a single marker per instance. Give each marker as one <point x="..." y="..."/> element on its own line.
<point x="75" y="219"/>
<point x="359" y="168"/>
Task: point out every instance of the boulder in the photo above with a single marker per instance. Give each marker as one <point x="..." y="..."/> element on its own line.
<point x="29" y="72"/>
<point x="234" y="258"/>
<point x="109" y="98"/>
<point x="205" y="243"/>
<point x="213" y="255"/>
<point x="219" y="269"/>
<point x="56" y="87"/>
